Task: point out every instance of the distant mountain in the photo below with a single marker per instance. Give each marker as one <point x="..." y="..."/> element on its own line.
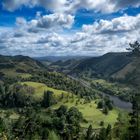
<point x="130" y="73"/>
<point x="114" y="66"/>
<point x="103" y="66"/>
<point x="64" y="66"/>
<point x="59" y="58"/>
<point x="12" y="65"/>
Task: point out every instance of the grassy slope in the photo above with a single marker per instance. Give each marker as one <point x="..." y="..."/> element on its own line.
<point x="13" y="66"/>
<point x="90" y="112"/>
<point x="13" y="73"/>
<point x="40" y="88"/>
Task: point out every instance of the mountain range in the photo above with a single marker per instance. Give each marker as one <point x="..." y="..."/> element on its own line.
<point x="116" y="66"/>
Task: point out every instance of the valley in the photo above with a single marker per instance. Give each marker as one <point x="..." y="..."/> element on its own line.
<point x="78" y="88"/>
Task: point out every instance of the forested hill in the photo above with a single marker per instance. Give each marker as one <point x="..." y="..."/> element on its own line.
<point x="18" y="60"/>
<point x="114" y="66"/>
<point x="103" y="66"/>
<point x="18" y="65"/>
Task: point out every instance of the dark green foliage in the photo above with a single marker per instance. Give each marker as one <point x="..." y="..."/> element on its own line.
<point x="2" y="125"/>
<point x="100" y="104"/>
<point x="89" y="133"/>
<point x="134" y="128"/>
<point x="48" y="99"/>
<point x="134" y="49"/>
<point x="105" y="110"/>
<point x="102" y="134"/>
<point x="105" y="104"/>
<point x="16" y="95"/>
<point x="108" y="129"/>
<point x="108" y="103"/>
<point x="73" y="115"/>
<point x="101" y="123"/>
<point x="62" y="82"/>
<point x="105" y="133"/>
<point x="61" y="111"/>
<point x="36" y="123"/>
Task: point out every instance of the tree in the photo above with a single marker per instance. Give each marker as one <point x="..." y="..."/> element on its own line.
<point x="74" y="118"/>
<point x="62" y="110"/>
<point x="105" y="110"/>
<point x="89" y="133"/>
<point x="100" y="104"/>
<point x="48" y="99"/>
<point x="2" y="94"/>
<point x="134" y="130"/>
<point x="2" y="125"/>
<point x="102" y="134"/>
<point x="108" y="129"/>
<point x="134" y="49"/>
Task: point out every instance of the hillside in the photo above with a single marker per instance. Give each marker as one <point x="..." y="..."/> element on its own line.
<point x="18" y="65"/>
<point x="59" y="58"/>
<point x="103" y="66"/>
<point x="65" y="66"/>
<point x="89" y="110"/>
<point x="132" y="73"/>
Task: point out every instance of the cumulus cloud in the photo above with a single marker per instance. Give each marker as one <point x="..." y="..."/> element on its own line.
<point x="125" y="3"/>
<point x="55" y="20"/>
<point x="54" y="5"/>
<point x="96" y="39"/>
<point x="53" y="39"/>
<point x="70" y="6"/>
<point x="116" y="25"/>
<point x="46" y="34"/>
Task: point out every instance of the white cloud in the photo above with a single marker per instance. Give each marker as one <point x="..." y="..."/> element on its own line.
<point x="51" y="21"/>
<point x="45" y="35"/>
<point x="20" y="21"/>
<point x="55" y="20"/>
<point x="119" y="24"/>
<point x="71" y="6"/>
<point x="54" y="5"/>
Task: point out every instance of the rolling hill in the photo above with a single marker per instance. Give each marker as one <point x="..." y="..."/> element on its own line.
<point x="103" y="66"/>
<point x="18" y="66"/>
<point x="111" y="66"/>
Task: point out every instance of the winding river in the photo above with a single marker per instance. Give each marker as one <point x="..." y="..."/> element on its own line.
<point x="119" y="103"/>
<point x="116" y="100"/>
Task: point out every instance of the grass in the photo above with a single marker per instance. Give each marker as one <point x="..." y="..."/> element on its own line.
<point x="53" y="136"/>
<point x="40" y="88"/>
<point x="90" y="112"/>
<point x="13" y="73"/>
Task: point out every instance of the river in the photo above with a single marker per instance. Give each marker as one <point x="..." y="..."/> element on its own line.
<point x="119" y="103"/>
<point x="116" y="100"/>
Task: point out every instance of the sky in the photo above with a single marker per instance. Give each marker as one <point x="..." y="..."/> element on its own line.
<point x="39" y="28"/>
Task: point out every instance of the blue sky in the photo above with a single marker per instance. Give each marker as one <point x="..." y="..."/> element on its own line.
<point x="67" y="27"/>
